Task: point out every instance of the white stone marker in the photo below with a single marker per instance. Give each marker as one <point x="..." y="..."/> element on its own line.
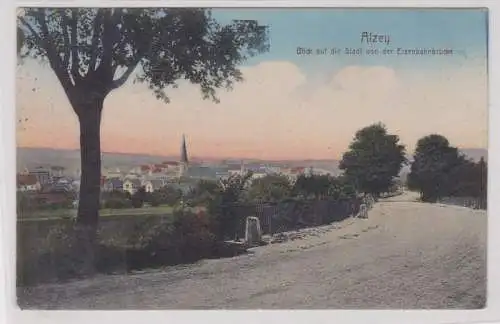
<point x="363" y="211"/>
<point x="253" y="232"/>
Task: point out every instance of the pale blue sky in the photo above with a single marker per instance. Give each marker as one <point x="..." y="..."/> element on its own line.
<point x="458" y="29"/>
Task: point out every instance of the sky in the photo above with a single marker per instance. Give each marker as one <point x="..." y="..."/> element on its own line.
<point x="292" y="106"/>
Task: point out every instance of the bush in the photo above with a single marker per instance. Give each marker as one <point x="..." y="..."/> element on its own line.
<point x="186" y="237"/>
<point x="55" y="258"/>
<point x="169" y="195"/>
<point x="139" y="197"/>
<point x="117" y="203"/>
<point x="137" y="202"/>
<point x="155" y="199"/>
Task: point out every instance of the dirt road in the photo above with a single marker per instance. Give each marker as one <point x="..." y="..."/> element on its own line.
<point x="406" y="255"/>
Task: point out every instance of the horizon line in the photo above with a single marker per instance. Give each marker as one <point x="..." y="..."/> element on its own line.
<point x="215" y="158"/>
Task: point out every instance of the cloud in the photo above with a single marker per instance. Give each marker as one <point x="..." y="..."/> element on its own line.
<point x="277" y="112"/>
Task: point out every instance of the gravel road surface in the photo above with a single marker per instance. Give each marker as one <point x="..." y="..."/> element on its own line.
<point x="405" y="255"/>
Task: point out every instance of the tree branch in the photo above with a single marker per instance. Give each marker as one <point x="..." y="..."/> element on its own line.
<point x="74" y="46"/>
<point x="60" y="70"/>
<point x="95" y="40"/>
<point x="32" y="31"/>
<point x="109" y="40"/>
<point x="65" y="25"/>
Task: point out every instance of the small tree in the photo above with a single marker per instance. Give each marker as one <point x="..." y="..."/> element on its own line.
<point x="203" y="192"/>
<point x="94" y="51"/>
<point x="223" y="205"/>
<point x="169" y="195"/>
<point x="374" y="159"/>
<point x="270" y="188"/>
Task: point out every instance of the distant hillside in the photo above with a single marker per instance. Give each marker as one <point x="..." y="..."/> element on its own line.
<point x="475" y="153"/>
<point x="70" y="159"/>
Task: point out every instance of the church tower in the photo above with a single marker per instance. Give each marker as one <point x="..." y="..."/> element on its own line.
<point x="184" y="162"/>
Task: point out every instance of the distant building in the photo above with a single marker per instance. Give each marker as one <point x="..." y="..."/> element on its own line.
<point x="112" y="184"/>
<point x="295" y="172"/>
<point x="43" y="175"/>
<point x="153" y="184"/>
<point x="57" y="171"/>
<point x="157" y="176"/>
<point x="53" y="196"/>
<point x="157" y="168"/>
<point x="116" y="173"/>
<point x="131" y="185"/>
<point x="28" y="182"/>
<point x="133" y="175"/>
<point x="62" y="184"/>
<point x="317" y="171"/>
<point x="170" y="164"/>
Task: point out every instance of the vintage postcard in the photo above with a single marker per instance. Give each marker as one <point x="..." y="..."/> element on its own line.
<point x="251" y="158"/>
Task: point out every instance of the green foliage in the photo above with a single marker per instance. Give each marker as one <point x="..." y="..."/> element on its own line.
<point x="341" y="188"/>
<point x="29" y="202"/>
<point x="203" y="193"/>
<point x="155" y="199"/>
<point x="169" y="195"/>
<point x="24" y="202"/>
<point x="439" y="170"/>
<point x="60" y="245"/>
<point x="222" y="207"/>
<point x="84" y="44"/>
<point x="434" y="164"/>
<point x="186" y="237"/>
<point x="271" y="188"/>
<point x="116" y="199"/>
<point x="117" y="203"/>
<point x="374" y="159"/>
<point x="311" y="186"/>
<point x="139" y="197"/>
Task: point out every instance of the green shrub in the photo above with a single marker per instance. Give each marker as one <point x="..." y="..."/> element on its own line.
<point x="155" y="199"/>
<point x="137" y="202"/>
<point x="117" y="203"/>
<point x="184" y="238"/>
<point x="56" y="257"/>
<point x="139" y="198"/>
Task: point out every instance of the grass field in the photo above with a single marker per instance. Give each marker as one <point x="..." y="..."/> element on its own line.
<point x="68" y="213"/>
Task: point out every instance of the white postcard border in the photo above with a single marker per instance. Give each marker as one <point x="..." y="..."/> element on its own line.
<point x="8" y="307"/>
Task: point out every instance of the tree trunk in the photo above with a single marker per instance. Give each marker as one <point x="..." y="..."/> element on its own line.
<point x="89" y="115"/>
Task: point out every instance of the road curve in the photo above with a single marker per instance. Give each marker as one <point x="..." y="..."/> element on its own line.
<point x="406" y="255"/>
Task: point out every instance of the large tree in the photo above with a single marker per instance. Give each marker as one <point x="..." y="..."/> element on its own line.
<point x="94" y="51"/>
<point x="437" y="168"/>
<point x="374" y="159"/>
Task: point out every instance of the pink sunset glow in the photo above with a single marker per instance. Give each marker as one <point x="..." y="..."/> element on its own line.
<point x="278" y="112"/>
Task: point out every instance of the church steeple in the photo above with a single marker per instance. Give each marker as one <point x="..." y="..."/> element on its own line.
<point x="184" y="158"/>
<point x="184" y="155"/>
